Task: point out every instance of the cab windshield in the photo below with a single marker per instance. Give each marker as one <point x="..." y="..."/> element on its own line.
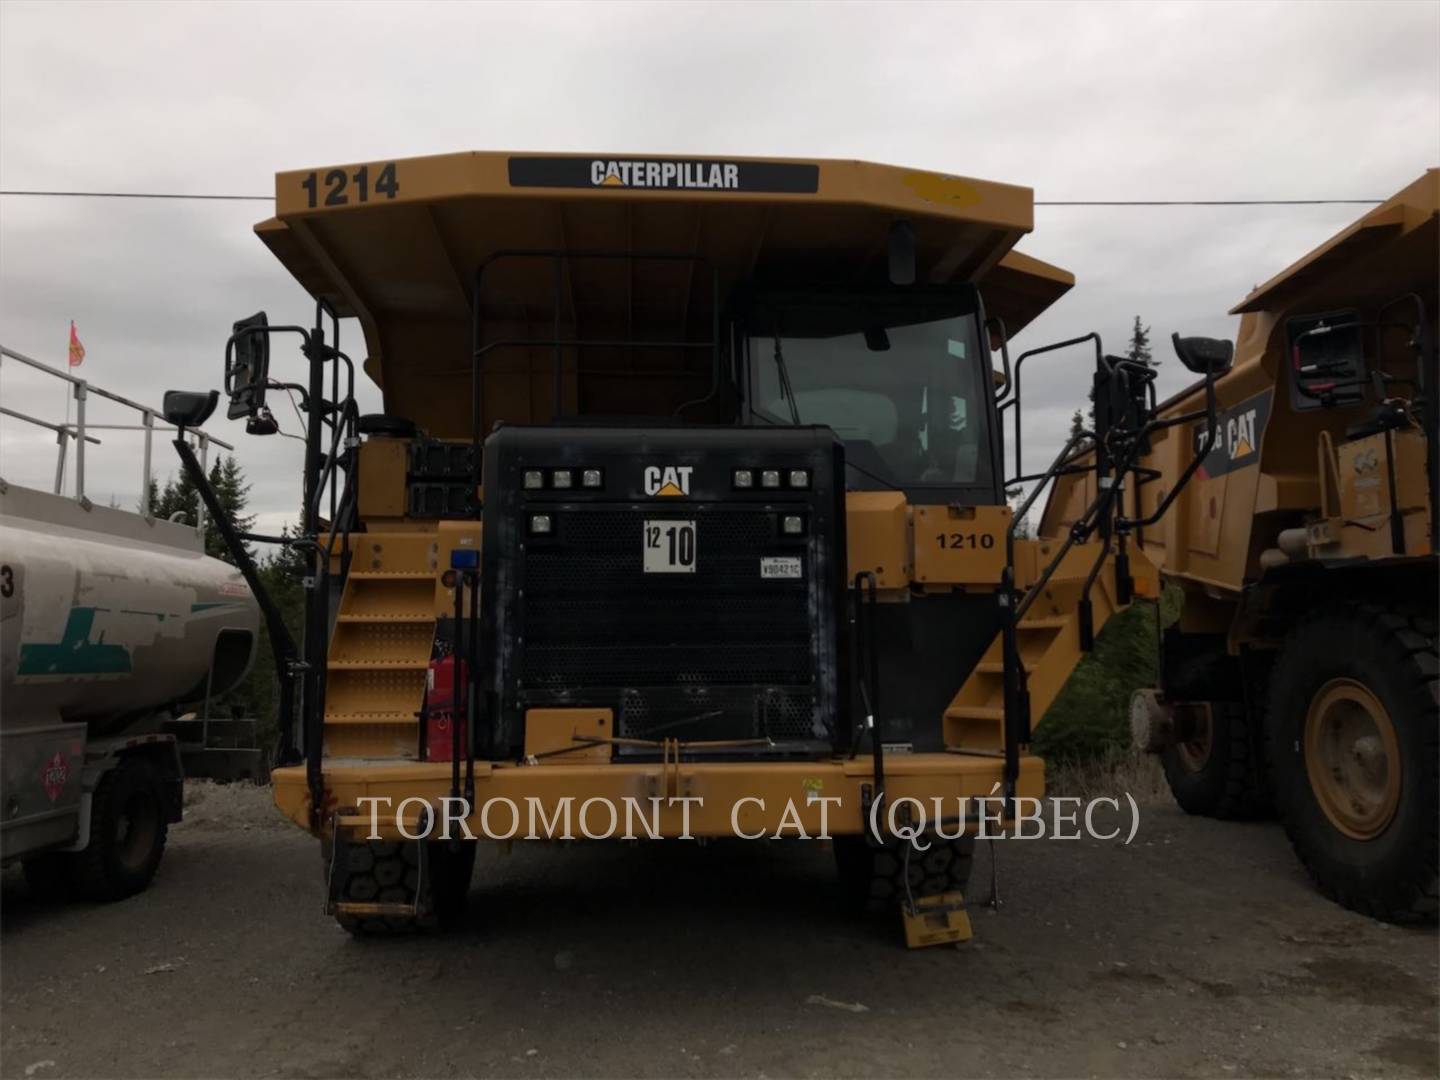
<point x="901" y="380"/>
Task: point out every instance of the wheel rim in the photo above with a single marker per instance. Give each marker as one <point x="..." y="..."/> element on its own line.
<point x="1194" y="752"/>
<point x="1352" y="757"/>
<point x="135" y="829"/>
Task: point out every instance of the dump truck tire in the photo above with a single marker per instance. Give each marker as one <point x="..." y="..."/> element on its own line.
<point x="1218" y="774"/>
<point x="873" y="878"/>
<point x="382" y="871"/>
<point x="389" y="871"/>
<point x="127" y="833"/>
<point x="1354" y="731"/>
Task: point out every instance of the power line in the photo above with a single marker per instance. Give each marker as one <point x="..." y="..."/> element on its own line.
<point x="1038" y="202"/>
<point x="142" y="195"/>
<point x="1203" y="202"/>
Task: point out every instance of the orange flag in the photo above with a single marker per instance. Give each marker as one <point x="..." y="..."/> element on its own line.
<point x="77" y="351"/>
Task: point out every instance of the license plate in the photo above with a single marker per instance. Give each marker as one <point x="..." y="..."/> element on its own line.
<point x="780" y="566"/>
<point x="669" y="547"/>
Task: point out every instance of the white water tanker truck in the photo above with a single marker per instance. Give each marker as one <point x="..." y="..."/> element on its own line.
<point x="111" y="621"/>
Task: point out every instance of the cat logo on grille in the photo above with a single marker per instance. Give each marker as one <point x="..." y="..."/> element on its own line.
<point x="670" y="480"/>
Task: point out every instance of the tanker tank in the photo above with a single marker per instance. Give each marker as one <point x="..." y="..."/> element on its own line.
<point x="111" y="618"/>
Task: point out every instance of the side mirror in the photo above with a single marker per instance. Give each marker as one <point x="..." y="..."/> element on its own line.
<point x="185" y="408"/>
<point x="247" y="365"/>
<point x="1203" y="355"/>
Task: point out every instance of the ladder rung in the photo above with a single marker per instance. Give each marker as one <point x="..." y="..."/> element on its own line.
<point x="378" y="665"/>
<point x="401" y="617"/>
<point x="997" y="667"/>
<point x="1044" y="622"/>
<point x="370" y="718"/>
<point x="975" y="712"/>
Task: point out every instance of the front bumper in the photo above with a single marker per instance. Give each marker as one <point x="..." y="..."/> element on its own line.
<point x="721" y="798"/>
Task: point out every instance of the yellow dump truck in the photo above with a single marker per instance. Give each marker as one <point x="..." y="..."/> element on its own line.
<point x="1302" y="672"/>
<point x="689" y="492"/>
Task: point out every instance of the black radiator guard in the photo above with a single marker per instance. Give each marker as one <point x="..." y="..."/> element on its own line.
<point x="571" y="620"/>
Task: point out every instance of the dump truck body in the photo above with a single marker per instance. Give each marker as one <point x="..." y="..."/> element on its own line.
<point x="690" y="487"/>
<point x="1312" y="516"/>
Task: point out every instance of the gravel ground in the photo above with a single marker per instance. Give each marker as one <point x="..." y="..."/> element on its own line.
<point x="1200" y="950"/>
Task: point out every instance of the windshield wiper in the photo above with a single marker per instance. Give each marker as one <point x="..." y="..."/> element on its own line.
<point x="786" y="390"/>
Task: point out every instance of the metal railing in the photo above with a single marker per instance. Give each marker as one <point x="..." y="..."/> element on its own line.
<point x="79" y="431"/>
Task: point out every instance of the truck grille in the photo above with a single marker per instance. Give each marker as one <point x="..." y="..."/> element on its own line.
<point x="716" y="654"/>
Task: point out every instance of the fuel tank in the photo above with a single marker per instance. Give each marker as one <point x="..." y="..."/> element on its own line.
<point x="111" y="619"/>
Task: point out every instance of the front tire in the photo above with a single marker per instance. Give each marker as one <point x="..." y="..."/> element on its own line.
<point x="128" y="830"/>
<point x="1354" y="731"/>
<point x="388" y="871"/>
<point x="873" y="878"/>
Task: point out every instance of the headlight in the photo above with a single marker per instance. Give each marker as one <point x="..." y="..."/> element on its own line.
<point x="792" y="525"/>
<point x="592" y="478"/>
<point x="534" y="479"/>
<point x="770" y="478"/>
<point x="744" y="478"/>
<point x="799" y="478"/>
<point x="541" y="525"/>
<point x="562" y="478"/>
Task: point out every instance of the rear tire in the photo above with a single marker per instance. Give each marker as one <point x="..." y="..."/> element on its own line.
<point x="1218" y="773"/>
<point x="127" y="833"/>
<point x="873" y="878"/>
<point x="1351" y="692"/>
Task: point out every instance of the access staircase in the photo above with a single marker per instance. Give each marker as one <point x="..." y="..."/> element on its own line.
<point x="380" y="648"/>
<point x="1049" y="643"/>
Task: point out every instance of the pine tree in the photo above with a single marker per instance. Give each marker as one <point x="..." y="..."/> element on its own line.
<point x="231" y="488"/>
<point x="1139" y="347"/>
<point x="233" y="492"/>
<point x="1077" y="423"/>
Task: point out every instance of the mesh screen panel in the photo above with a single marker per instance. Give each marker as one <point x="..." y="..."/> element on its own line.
<point x="718" y="653"/>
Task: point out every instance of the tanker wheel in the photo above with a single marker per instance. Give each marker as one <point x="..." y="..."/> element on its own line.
<point x="1355" y="733"/>
<point x="385" y="871"/>
<point x="127" y="833"/>
<point x="1215" y="771"/>
<point x="873" y="878"/>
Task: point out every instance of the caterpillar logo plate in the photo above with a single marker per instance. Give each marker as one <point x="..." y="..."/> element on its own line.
<point x="671" y="480"/>
<point x="665" y="174"/>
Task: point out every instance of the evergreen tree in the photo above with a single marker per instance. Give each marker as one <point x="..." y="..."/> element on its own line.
<point x="1077" y="422"/>
<point x="231" y="488"/>
<point x="233" y="491"/>
<point x="1139" y="347"/>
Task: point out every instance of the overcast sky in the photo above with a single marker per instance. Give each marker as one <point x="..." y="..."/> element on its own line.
<point x="1078" y="101"/>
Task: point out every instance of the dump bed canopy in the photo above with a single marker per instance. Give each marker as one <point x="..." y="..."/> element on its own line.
<point x="398" y="243"/>
<point x="1376" y="256"/>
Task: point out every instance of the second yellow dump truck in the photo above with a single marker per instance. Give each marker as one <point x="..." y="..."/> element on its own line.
<point x="1302" y="675"/>
<point x="689" y="493"/>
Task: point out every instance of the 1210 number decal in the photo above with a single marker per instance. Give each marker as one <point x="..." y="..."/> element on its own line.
<point x="337" y="182"/>
<point x="955" y="541"/>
